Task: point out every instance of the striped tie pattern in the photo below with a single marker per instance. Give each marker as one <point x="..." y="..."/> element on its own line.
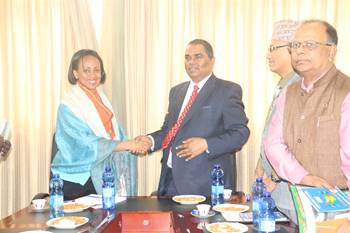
<point x="172" y="132"/>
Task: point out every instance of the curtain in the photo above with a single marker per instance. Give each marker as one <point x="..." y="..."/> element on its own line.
<point x="146" y="41"/>
<point x="37" y="40"/>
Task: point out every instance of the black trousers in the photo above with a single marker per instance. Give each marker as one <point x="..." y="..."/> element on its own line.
<point x="74" y="190"/>
<point x="169" y="184"/>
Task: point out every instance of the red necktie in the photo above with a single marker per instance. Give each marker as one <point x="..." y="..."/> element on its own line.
<point x="172" y="132"/>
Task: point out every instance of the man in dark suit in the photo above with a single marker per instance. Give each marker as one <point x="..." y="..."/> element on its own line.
<point x="205" y="125"/>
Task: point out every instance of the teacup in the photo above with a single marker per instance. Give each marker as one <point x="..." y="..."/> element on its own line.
<point x="203" y="209"/>
<point x="227" y="194"/>
<point x="38" y="204"/>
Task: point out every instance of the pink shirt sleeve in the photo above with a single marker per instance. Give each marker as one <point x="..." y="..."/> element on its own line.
<point x="344" y="133"/>
<point x="282" y="160"/>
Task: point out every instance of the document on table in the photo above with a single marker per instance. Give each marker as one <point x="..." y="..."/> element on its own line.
<point x="95" y="200"/>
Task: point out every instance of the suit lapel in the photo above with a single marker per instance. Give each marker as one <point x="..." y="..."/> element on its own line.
<point x="204" y="93"/>
<point x="179" y="100"/>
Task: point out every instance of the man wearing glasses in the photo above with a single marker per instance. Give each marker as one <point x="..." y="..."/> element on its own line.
<point x="279" y="61"/>
<point x="307" y="142"/>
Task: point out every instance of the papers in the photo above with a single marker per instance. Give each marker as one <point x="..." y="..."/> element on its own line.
<point x="5" y="129"/>
<point x="248" y="217"/>
<point x="323" y="200"/>
<point x="315" y="205"/>
<point x="95" y="200"/>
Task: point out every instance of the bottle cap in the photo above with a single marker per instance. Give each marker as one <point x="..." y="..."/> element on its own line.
<point x="259" y="179"/>
<point x="266" y="194"/>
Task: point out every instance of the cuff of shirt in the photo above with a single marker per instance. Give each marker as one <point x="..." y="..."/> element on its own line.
<point x="152" y="139"/>
<point x="299" y="174"/>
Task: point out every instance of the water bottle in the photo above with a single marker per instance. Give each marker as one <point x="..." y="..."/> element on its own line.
<point x="56" y="196"/>
<point x="258" y="191"/>
<point x="217" y="186"/>
<point x="108" y="189"/>
<point x="267" y="221"/>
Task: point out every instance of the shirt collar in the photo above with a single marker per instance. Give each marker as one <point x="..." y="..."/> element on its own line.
<point x="201" y="83"/>
<point x="311" y="85"/>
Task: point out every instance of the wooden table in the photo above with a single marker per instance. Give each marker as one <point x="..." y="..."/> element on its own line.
<point x="25" y="219"/>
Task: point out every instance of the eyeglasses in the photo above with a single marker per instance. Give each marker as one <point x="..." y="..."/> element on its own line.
<point x="309" y="45"/>
<point x="273" y="48"/>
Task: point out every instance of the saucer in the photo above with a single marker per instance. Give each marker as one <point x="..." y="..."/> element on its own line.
<point x="46" y="208"/>
<point x="196" y="214"/>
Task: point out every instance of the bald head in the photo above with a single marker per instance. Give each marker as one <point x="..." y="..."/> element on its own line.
<point x="313" y="49"/>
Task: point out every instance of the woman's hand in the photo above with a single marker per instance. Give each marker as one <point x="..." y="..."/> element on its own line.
<point x="134" y="146"/>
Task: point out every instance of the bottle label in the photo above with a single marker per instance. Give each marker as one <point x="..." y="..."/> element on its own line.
<point x="108" y="198"/>
<point x="108" y="192"/>
<point x="217" y="189"/>
<point x="217" y="194"/>
<point x="256" y="204"/>
<point x="256" y="211"/>
<point x="56" y="206"/>
<point x="267" y="225"/>
<point x="56" y="201"/>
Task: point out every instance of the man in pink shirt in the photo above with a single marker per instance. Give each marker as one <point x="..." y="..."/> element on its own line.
<point x="307" y="139"/>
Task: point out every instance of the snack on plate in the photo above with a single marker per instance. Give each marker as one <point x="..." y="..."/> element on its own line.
<point x="70" y="220"/>
<point x="188" y="199"/>
<point x="223" y="227"/>
<point x="74" y="206"/>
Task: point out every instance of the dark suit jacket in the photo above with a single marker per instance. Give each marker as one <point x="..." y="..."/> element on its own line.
<point x="218" y="116"/>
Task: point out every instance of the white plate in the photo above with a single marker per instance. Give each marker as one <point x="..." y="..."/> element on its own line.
<point x="189" y="199"/>
<point x="228" y="227"/>
<point x="231" y="208"/>
<point x="195" y="214"/>
<point x="73" y="207"/>
<point x="68" y="222"/>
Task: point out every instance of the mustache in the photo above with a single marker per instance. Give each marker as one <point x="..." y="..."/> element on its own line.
<point x="193" y="67"/>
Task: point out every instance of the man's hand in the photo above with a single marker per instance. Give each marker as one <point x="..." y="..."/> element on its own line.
<point x="191" y="148"/>
<point x="145" y="139"/>
<point x="145" y="142"/>
<point x="270" y="185"/>
<point x="138" y="147"/>
<point x="316" y="181"/>
<point x="344" y="228"/>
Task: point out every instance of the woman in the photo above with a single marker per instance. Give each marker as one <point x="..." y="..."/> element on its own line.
<point x="88" y="135"/>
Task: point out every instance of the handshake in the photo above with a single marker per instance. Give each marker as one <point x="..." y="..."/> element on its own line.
<point x="139" y="145"/>
<point x="188" y="149"/>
